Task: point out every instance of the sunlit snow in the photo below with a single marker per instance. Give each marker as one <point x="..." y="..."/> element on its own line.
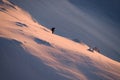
<point x="29" y="51"/>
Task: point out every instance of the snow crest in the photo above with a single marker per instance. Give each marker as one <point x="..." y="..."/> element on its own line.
<point x="29" y="51"/>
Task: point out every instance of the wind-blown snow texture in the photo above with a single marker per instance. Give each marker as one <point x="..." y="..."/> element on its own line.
<point x="29" y="51"/>
<point x="95" y="22"/>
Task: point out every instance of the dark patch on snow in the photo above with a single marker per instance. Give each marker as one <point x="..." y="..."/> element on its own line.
<point x="11" y="2"/>
<point x="34" y="20"/>
<point x="94" y="49"/>
<point x="3" y="9"/>
<point x="8" y="4"/>
<point x="90" y="49"/>
<point x="39" y="41"/>
<point x="78" y="41"/>
<point x="18" y="64"/>
<point x="21" y="24"/>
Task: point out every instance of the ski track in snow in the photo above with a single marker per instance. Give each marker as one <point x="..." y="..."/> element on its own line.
<point x="28" y="51"/>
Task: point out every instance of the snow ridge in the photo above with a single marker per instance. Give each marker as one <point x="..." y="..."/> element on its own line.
<point x="28" y="51"/>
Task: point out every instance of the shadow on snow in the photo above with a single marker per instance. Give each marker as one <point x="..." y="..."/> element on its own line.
<point x="39" y="41"/>
<point x="17" y="64"/>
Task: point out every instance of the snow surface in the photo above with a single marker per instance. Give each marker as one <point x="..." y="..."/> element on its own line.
<point x="86" y="20"/>
<point x="29" y="51"/>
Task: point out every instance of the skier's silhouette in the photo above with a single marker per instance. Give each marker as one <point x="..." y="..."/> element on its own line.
<point x="53" y="30"/>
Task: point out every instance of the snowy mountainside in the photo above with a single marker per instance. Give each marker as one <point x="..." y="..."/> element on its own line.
<point x="79" y="19"/>
<point x="29" y="51"/>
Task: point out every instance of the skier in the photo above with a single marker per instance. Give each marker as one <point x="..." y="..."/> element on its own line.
<point x="52" y="29"/>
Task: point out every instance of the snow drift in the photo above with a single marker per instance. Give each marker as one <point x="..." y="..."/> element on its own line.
<point x="28" y="51"/>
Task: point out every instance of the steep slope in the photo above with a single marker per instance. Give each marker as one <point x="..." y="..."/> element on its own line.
<point x="28" y="51"/>
<point x="86" y="20"/>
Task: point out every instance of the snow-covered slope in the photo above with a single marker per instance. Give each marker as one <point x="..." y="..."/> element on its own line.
<point x="29" y="51"/>
<point x="86" y="20"/>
